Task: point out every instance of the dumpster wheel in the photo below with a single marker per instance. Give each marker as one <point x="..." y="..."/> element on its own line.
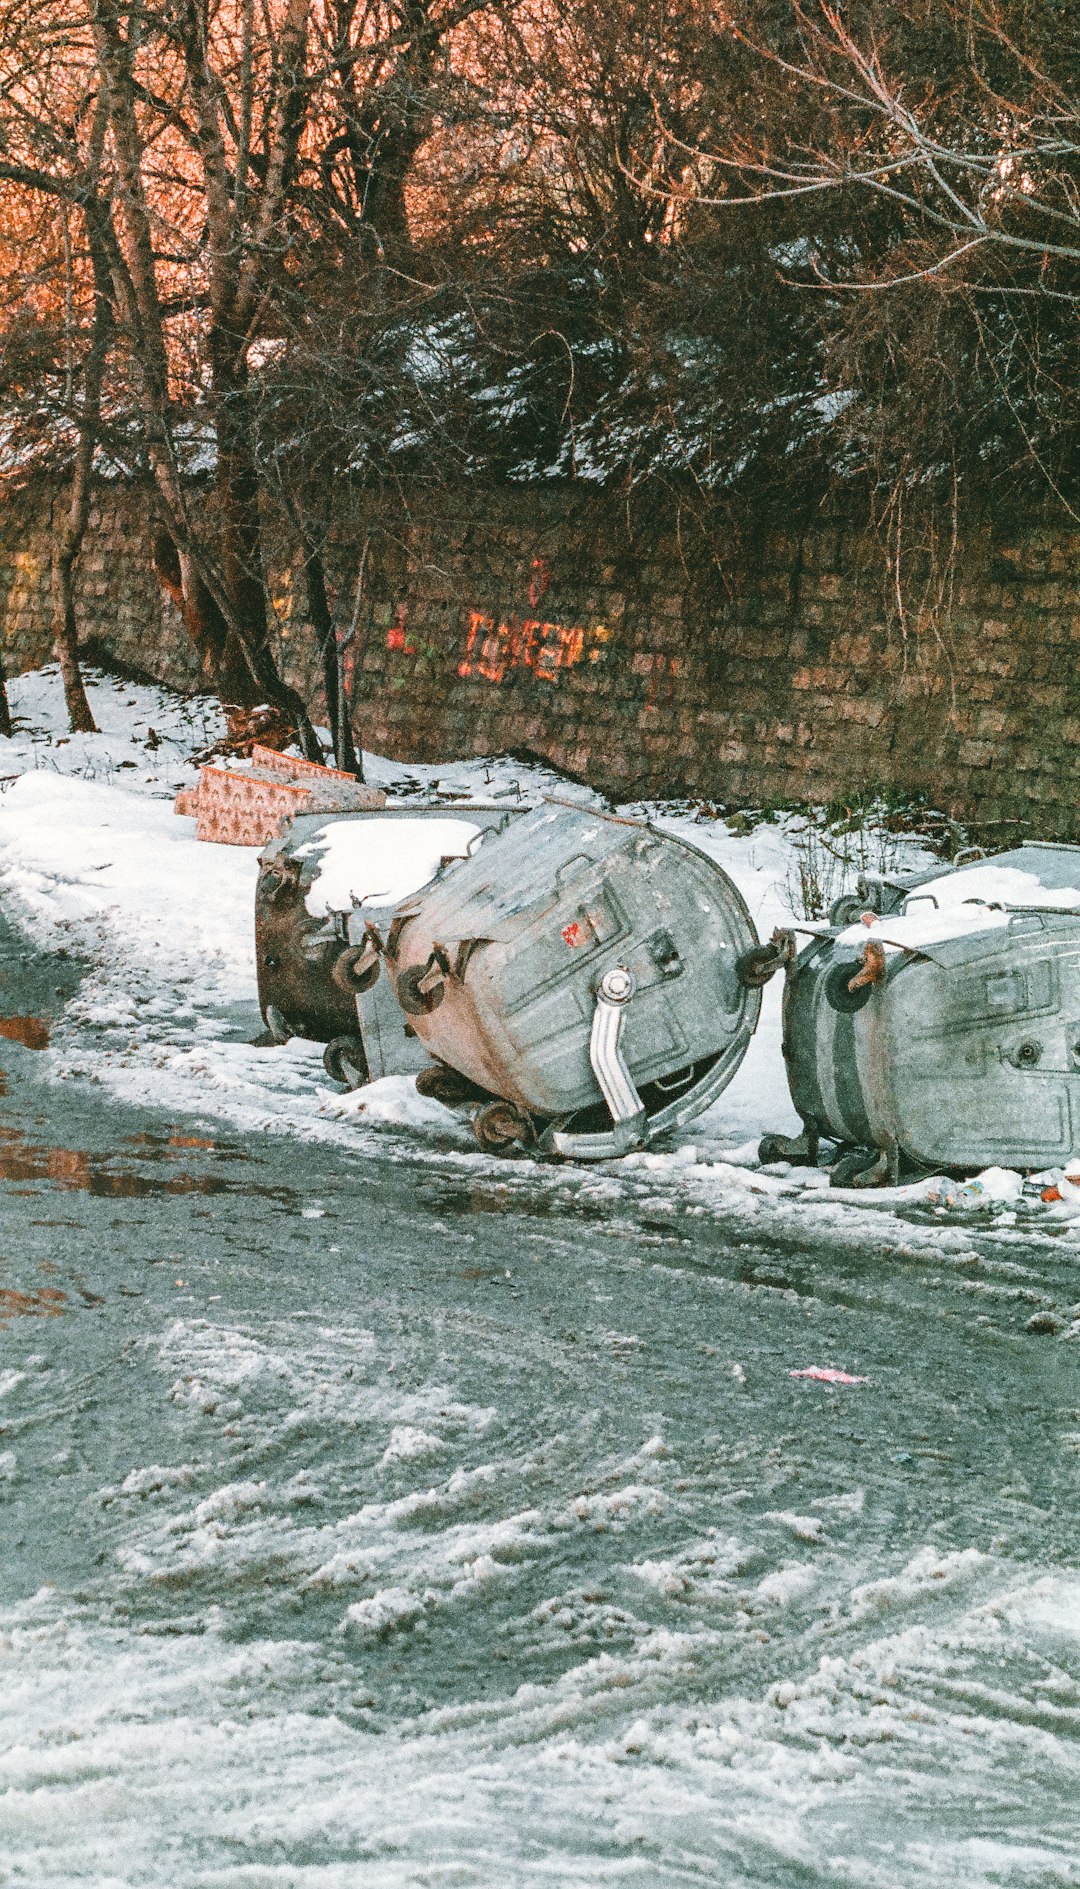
<point x="754" y="968"/>
<point x="866" y="1167"/>
<point x="798" y="1150"/>
<point x="414" y="1001"/>
<point x="498" y="1125"/>
<point x="344" y="1061"/>
<point x="278" y="1025"/>
<point x="846" y="910"/>
<point x="354" y="970"/>
<point x="838" y="992"/>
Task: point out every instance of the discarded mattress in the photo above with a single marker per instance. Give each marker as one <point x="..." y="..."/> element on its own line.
<point x="248" y="805"/>
<point x="945" y="1032"/>
<point x="579" y="970"/>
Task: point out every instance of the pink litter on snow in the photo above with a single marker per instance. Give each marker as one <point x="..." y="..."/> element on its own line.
<point x="822" y="1376"/>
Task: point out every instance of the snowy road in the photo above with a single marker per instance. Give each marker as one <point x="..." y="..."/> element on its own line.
<point x="380" y="1519"/>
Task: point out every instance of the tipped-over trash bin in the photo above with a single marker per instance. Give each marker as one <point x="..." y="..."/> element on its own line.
<point x="578" y="970"/>
<point x="944" y="1033"/>
<point x="322" y="882"/>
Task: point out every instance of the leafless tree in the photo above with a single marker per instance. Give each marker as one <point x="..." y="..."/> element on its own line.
<point x="982" y="150"/>
<point x="225" y="160"/>
<point x="87" y="416"/>
<point x="69" y="183"/>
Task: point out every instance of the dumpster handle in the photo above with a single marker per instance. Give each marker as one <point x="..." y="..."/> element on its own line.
<point x="617" y="1085"/>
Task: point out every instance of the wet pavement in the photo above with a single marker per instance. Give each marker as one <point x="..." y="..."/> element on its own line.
<point x="375" y="1521"/>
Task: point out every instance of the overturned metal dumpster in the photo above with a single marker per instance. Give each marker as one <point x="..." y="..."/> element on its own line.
<point x="322" y="882"/>
<point x="942" y="1029"/>
<point x="579" y="970"/>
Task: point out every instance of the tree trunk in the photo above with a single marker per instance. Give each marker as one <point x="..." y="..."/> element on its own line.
<point x="221" y="661"/>
<point x="6" y="727"/>
<point x="238" y="504"/>
<point x="241" y="540"/>
<point x="322" y="622"/>
<point x="69" y="539"/>
<point x="66" y="547"/>
<point x="231" y="637"/>
<point x="66" y="636"/>
<point x="240" y="676"/>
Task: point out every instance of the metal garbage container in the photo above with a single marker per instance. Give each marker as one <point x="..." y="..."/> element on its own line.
<point x="579" y="969"/>
<point x="945" y="1033"/>
<point x="322" y="883"/>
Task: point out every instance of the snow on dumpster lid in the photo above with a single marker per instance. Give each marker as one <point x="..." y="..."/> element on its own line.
<point x="962" y="902"/>
<point x="379" y="862"/>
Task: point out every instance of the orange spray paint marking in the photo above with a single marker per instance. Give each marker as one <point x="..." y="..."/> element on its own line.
<point x="477" y="622"/>
<point x="539" y="582"/>
<point x="492" y="648"/>
<point x="549" y="653"/>
<point x="495" y="653"/>
<point x="397" y="634"/>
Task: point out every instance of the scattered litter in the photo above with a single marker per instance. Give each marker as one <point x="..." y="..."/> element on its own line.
<point x="1054" y="1186"/>
<point x="993" y="1188"/>
<point x="825" y="1375"/>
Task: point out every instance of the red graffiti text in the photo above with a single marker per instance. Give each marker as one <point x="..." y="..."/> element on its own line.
<point x="492" y="648"/>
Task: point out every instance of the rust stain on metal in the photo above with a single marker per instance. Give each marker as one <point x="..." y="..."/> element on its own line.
<point x="875" y="968"/>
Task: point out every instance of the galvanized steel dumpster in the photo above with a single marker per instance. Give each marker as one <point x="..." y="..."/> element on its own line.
<point x="581" y="968"/>
<point x="322" y="882"/>
<point x="945" y="1033"/>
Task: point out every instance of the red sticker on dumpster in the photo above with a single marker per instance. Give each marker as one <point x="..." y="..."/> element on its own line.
<point x="572" y="935"/>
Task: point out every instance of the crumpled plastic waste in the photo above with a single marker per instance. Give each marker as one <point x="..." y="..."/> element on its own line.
<point x="823" y="1374"/>
<point x="994" y="1190"/>
<point x="1055" y="1185"/>
<point x="1004" y="1191"/>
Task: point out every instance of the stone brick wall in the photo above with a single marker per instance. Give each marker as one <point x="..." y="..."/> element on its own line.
<point x="118" y="598"/>
<point x="775" y="671"/>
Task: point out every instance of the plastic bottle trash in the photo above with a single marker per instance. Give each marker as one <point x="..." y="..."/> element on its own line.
<point x="945" y="1034"/>
<point x="580" y="973"/>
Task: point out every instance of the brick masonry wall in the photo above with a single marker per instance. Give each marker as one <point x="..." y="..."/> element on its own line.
<point x="773" y="672"/>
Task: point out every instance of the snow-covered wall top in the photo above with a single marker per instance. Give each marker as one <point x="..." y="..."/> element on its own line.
<point x="514" y="620"/>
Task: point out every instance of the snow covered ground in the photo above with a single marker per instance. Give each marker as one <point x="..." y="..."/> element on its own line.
<point x="94" y="859"/>
<point x="426" y="1520"/>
